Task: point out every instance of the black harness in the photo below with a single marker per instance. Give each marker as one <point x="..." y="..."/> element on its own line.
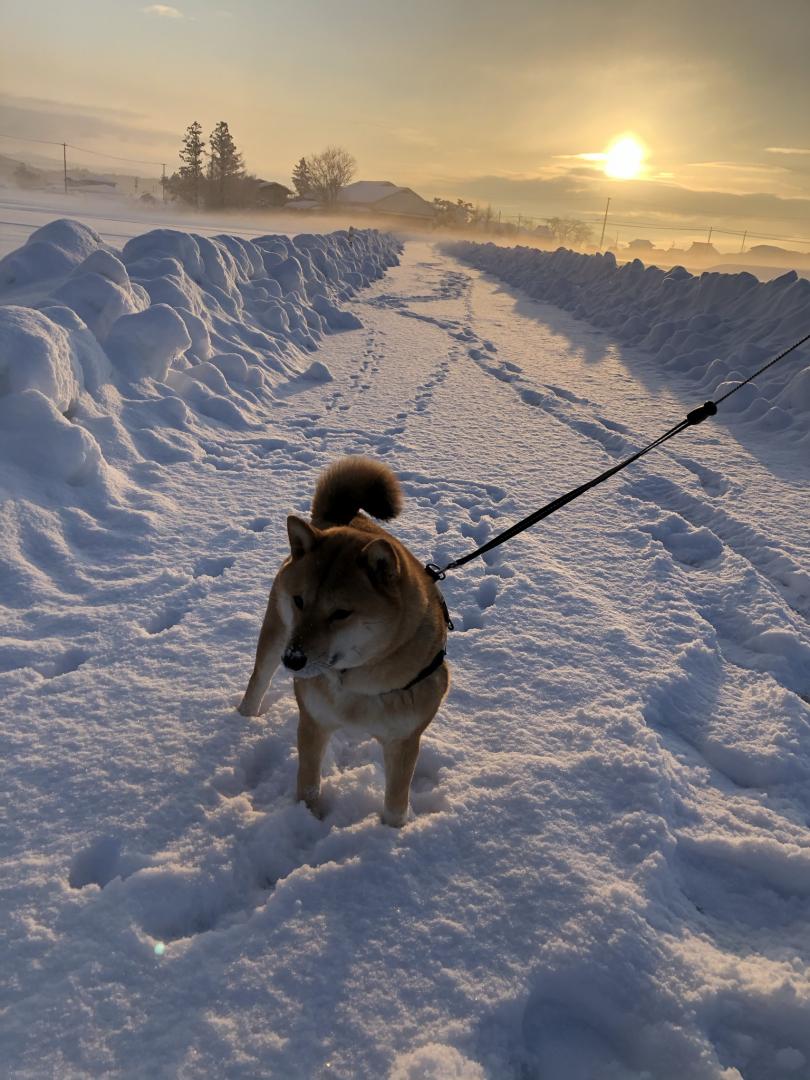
<point x="438" y="659"/>
<point x="434" y="664"/>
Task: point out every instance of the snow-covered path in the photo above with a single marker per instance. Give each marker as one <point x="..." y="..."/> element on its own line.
<point x="608" y="870"/>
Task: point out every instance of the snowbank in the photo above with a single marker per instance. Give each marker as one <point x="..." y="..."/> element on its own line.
<point x="716" y="327"/>
<point x="217" y="323"/>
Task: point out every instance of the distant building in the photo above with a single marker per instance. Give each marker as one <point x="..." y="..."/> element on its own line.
<point x="269" y="193"/>
<point x="303" y="204"/>
<point x="88" y="182"/>
<point x="379" y="197"/>
<point x="702" y="250"/>
<point x="641" y="245"/>
<point x="383" y="197"/>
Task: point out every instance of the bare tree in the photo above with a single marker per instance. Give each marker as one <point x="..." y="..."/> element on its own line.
<point x="569" y="231"/>
<point x="26" y="177"/>
<point x="329" y="172"/>
<point x="453" y="215"/>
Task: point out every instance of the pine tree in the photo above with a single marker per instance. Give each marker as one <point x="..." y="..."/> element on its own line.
<point x="191" y="172"/>
<point x="302" y="181"/>
<point x="224" y="165"/>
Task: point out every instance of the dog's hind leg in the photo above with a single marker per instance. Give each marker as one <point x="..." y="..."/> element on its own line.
<point x="400" y="761"/>
<point x="312" y="740"/>
<point x="272" y="639"/>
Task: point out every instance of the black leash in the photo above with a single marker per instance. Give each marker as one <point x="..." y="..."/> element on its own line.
<point x="696" y="416"/>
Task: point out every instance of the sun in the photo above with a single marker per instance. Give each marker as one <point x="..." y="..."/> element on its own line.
<point x="624" y="159"/>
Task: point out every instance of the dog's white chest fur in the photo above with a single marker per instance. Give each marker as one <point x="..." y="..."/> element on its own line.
<point x="382" y="716"/>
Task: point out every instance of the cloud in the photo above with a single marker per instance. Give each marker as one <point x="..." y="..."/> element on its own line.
<point x="414" y="137"/>
<point x="27" y="118"/>
<point x="163" y="11"/>
<point x="736" y="166"/>
<point x="786" y="150"/>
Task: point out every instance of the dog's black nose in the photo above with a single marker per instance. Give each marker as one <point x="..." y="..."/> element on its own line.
<point x="294" y="660"/>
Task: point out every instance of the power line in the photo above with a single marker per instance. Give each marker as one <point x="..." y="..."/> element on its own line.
<point x="82" y="150"/>
<point x="699" y="228"/>
<point x="594" y="219"/>
<point x="21" y="138"/>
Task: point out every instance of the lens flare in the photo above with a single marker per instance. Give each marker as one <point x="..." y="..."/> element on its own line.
<point x="624" y="158"/>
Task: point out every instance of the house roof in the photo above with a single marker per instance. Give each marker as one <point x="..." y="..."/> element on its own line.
<point x="273" y="184"/>
<point x="368" y="191"/>
<point x="375" y="196"/>
<point x="383" y="197"/>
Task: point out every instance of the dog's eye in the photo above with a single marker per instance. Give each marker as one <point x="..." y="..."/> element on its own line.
<point x="339" y="614"/>
<point x="298" y="601"/>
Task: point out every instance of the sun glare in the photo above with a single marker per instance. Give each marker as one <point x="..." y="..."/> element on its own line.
<point x="624" y="158"/>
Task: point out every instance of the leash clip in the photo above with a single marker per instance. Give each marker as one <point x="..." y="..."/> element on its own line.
<point x="435" y="573"/>
<point x="697" y="416"/>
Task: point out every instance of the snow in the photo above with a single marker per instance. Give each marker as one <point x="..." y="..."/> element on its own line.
<point x="114" y="216"/>
<point x="720" y="326"/>
<point x="607" y="871"/>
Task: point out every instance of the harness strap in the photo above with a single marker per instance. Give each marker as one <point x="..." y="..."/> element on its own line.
<point x="434" y="664"/>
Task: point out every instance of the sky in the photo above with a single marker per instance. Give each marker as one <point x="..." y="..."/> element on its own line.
<point x="497" y="103"/>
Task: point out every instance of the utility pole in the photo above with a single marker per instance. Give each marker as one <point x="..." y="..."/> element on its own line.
<point x="163" y="181"/>
<point x="710" y="234"/>
<point x="742" y="245"/>
<point x="64" y="163"/>
<point x="604" y="225"/>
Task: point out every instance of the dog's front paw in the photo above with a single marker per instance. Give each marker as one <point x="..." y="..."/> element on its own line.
<point x="396" y="819"/>
<point x="312" y="799"/>
<point x="247" y="707"/>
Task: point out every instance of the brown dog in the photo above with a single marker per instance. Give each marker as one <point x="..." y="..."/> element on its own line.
<point x="363" y="627"/>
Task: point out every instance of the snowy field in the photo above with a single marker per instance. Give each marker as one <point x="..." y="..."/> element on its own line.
<point x="607" y="871"/>
<point x="117" y="218"/>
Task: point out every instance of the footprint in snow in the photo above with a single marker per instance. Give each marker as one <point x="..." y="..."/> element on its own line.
<point x="165" y="620"/>
<point x="258" y="524"/>
<point x="213" y="566"/>
<point x="698" y="548"/>
<point x="70" y="660"/>
<point x="486" y="593"/>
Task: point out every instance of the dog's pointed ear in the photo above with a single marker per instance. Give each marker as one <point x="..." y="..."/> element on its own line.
<point x="302" y="536"/>
<point x="380" y="561"/>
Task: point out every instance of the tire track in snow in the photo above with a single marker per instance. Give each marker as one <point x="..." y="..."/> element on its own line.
<point x="717" y="529"/>
<point x="697" y="536"/>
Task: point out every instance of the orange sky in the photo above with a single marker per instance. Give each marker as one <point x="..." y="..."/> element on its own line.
<point x="492" y="102"/>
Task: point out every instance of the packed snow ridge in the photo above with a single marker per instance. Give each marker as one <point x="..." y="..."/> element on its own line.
<point x="203" y="327"/>
<point x="716" y="327"/>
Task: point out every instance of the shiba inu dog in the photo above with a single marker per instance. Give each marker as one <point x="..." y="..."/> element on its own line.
<point x="363" y="627"/>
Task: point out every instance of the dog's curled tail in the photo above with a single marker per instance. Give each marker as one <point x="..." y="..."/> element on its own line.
<point x="352" y="484"/>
